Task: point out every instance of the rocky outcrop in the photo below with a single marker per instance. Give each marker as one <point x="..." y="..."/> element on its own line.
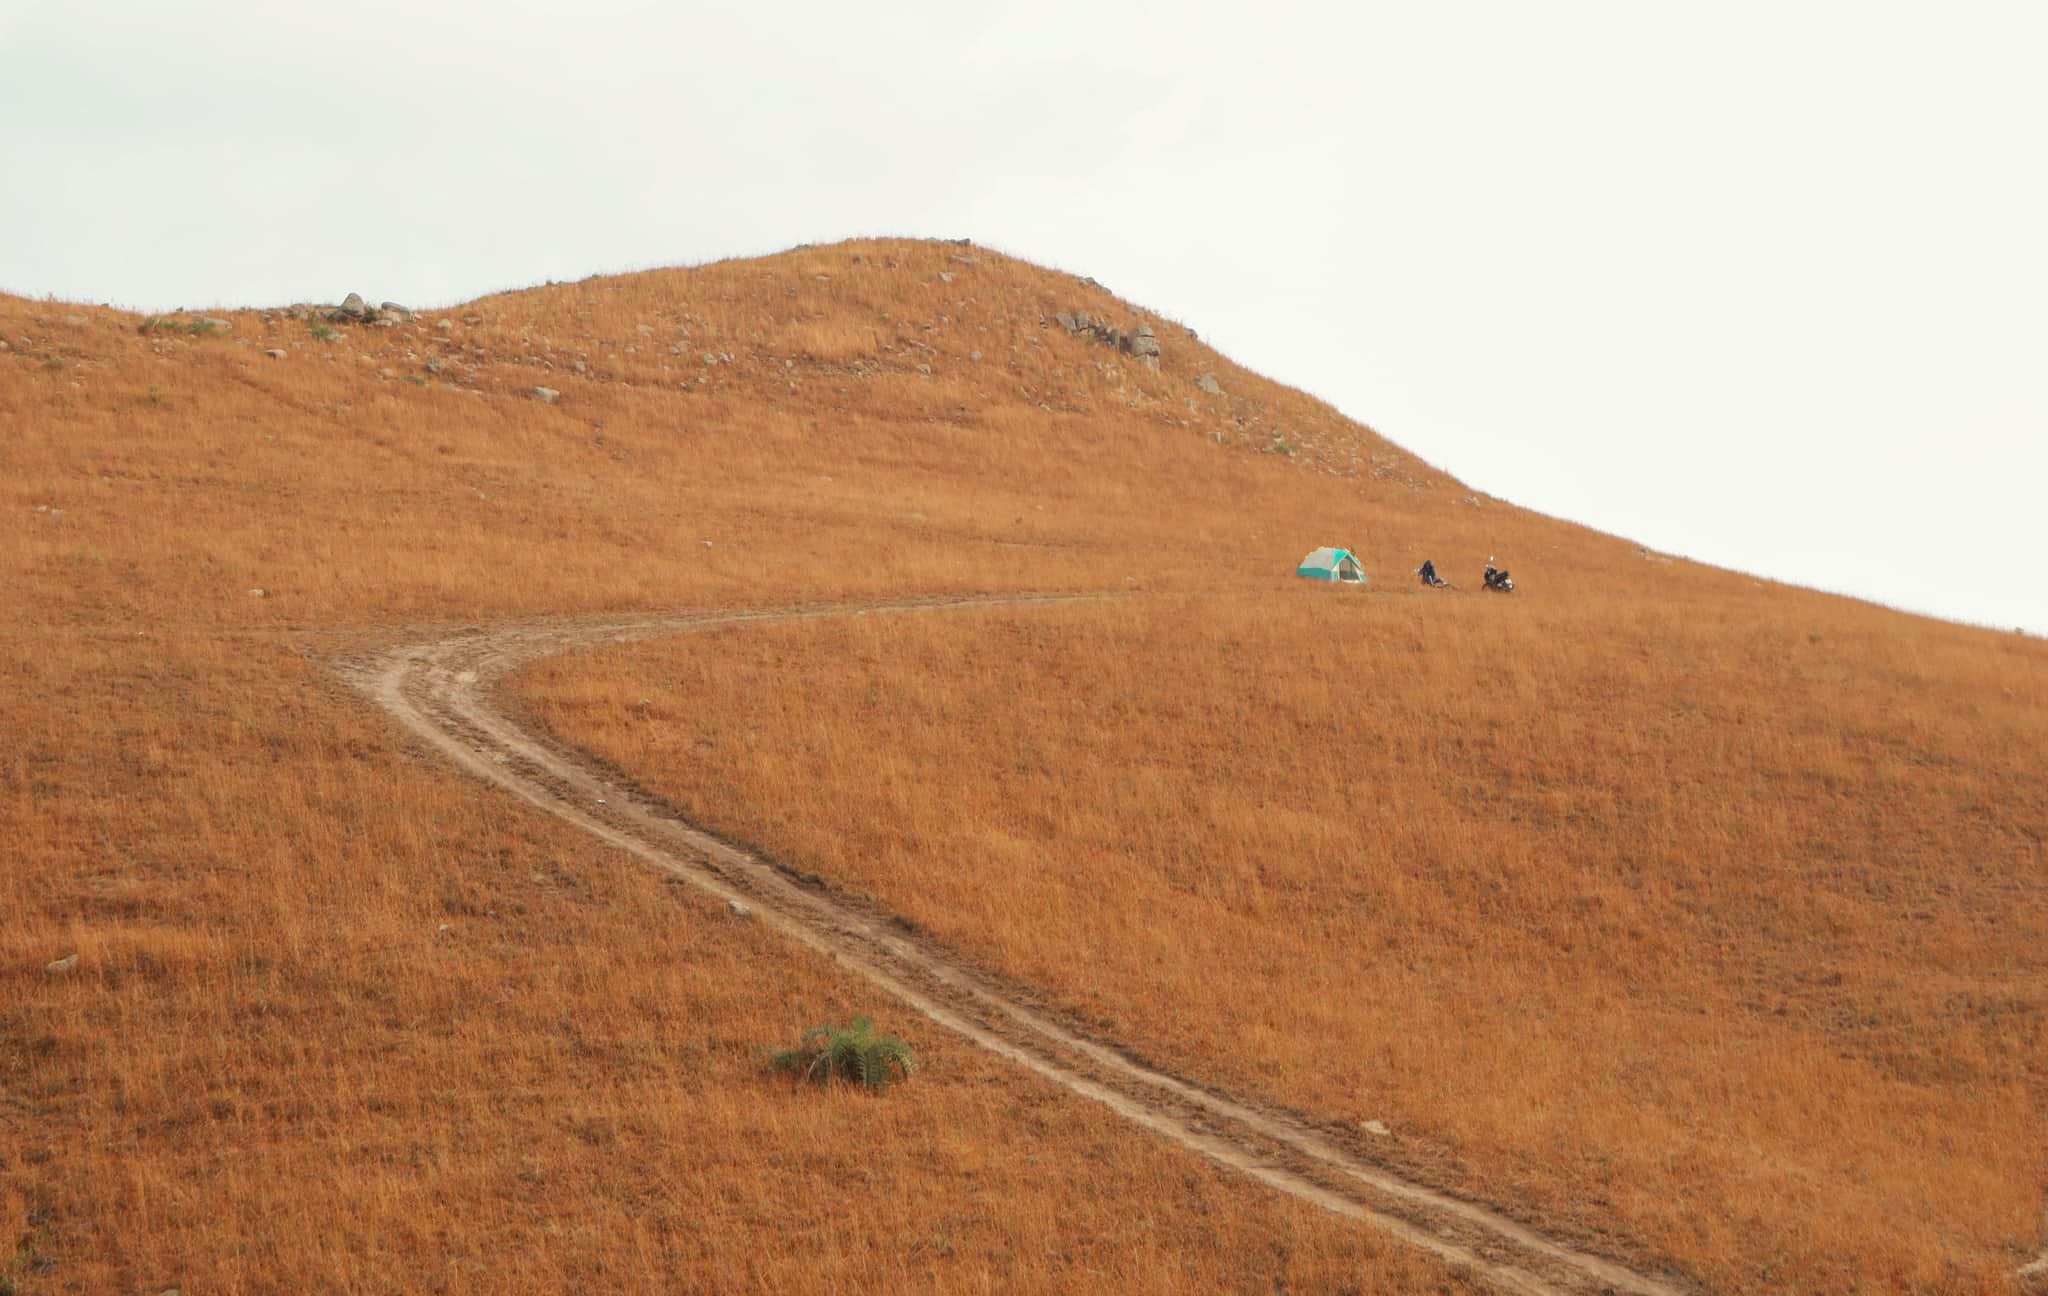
<point x="354" y="310"/>
<point x="1140" y="342"/>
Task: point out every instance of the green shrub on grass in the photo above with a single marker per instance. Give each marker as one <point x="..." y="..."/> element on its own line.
<point x="853" y="1052"/>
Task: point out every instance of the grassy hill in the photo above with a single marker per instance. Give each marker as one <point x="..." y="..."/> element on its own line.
<point x="1690" y="917"/>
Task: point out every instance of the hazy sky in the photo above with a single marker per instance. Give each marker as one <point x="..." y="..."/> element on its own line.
<point x="1765" y="284"/>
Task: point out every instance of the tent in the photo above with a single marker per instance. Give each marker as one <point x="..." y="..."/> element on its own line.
<point x="1332" y="565"/>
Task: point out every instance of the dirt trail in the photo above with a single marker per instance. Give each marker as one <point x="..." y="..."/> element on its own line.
<point x="441" y="690"/>
<point x="2033" y="1275"/>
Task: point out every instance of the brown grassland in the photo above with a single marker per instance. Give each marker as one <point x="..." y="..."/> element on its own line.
<point x="1713" y="932"/>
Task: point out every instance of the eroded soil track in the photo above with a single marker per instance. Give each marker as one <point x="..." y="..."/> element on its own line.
<point x="442" y="691"/>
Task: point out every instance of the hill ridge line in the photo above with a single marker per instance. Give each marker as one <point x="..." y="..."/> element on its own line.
<point x="441" y="689"/>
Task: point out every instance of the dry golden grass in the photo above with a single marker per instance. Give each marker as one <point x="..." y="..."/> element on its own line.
<point x="342" y="1023"/>
<point x="272" y="1070"/>
<point x="1719" y="926"/>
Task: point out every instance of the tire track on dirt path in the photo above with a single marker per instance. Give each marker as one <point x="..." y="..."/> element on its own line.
<point x="441" y="691"/>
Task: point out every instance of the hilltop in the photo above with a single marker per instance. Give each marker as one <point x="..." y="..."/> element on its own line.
<point x="977" y="424"/>
<point x="1685" y="918"/>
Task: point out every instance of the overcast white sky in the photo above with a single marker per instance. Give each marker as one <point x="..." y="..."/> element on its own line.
<point x="1765" y="284"/>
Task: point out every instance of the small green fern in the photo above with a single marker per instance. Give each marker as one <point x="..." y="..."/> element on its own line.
<point x="853" y="1052"/>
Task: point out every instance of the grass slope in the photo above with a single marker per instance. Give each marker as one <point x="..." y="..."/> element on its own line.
<point x="1662" y="930"/>
<point x="272" y="1067"/>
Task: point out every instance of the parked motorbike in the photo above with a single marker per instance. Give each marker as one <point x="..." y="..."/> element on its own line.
<point x="1498" y="581"/>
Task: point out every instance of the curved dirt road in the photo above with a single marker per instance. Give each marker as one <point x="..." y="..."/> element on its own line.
<point x="441" y="690"/>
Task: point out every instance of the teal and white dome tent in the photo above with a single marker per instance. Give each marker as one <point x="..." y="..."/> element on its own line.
<point x="1332" y="565"/>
